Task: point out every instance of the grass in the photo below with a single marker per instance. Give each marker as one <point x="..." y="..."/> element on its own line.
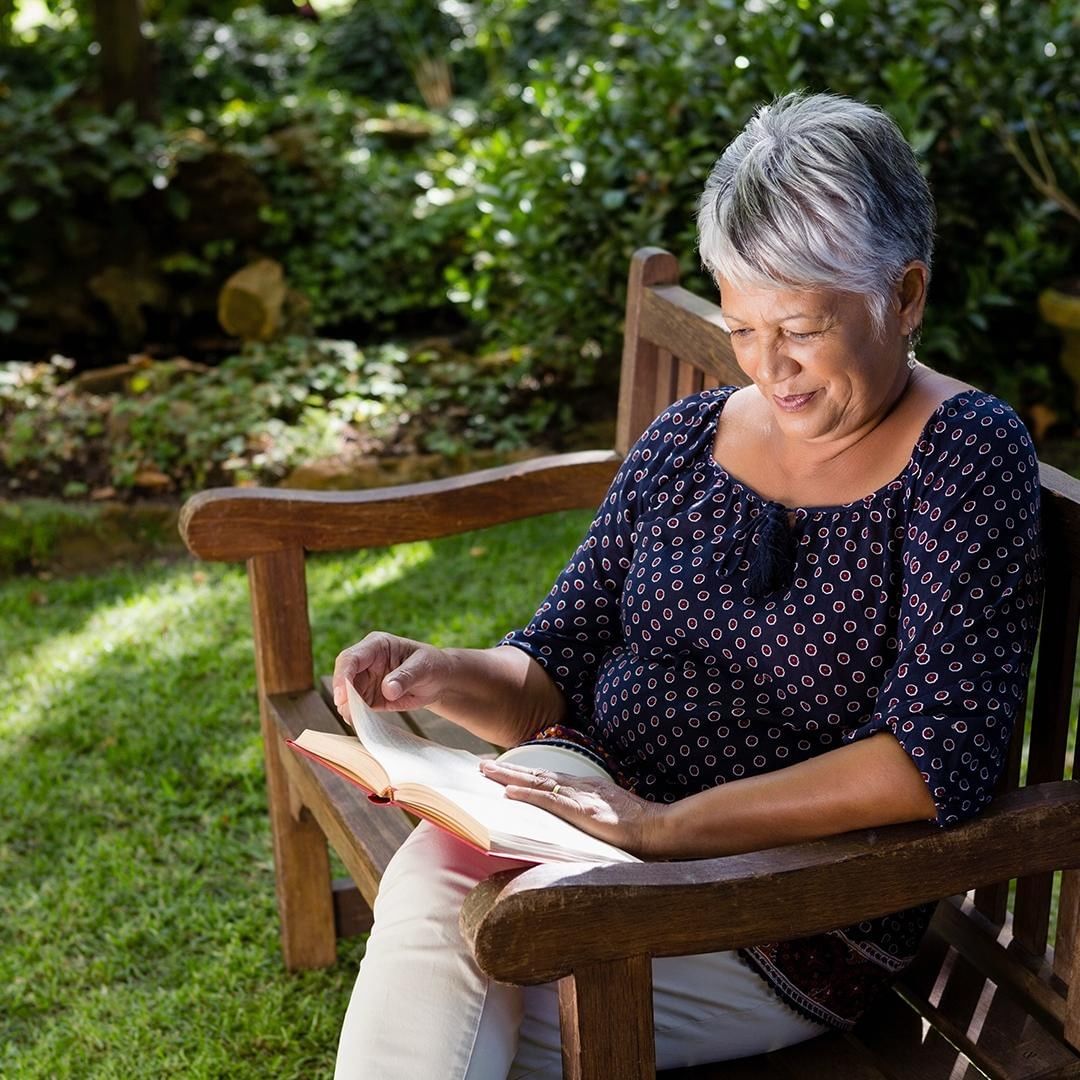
<point x="140" y="935"/>
<point x="136" y="886"/>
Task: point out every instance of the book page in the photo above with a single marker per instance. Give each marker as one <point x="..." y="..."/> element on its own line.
<point x="409" y="759"/>
<point x="448" y="783"/>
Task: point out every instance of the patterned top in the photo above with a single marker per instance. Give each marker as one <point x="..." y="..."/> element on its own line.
<point x="913" y="610"/>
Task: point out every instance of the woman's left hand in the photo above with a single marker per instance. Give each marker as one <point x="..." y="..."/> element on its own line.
<point x="598" y="807"/>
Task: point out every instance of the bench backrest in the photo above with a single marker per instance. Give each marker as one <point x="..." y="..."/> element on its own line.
<point x="675" y="345"/>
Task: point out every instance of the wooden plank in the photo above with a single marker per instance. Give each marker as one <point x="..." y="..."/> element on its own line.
<point x="230" y="524"/>
<point x="979" y="1017"/>
<point x="641" y="367"/>
<point x="606" y="1020"/>
<point x="906" y="1047"/>
<point x="1051" y="711"/>
<point x="692" y="328"/>
<point x="524" y="930"/>
<point x="283" y="663"/>
<point x="827" y="1057"/>
<point x="992" y="950"/>
<point x="667" y="368"/>
<point x="689" y="380"/>
<point x="1068" y="927"/>
<point x="1072" y="1002"/>
<point x="364" y="834"/>
<point x="352" y="913"/>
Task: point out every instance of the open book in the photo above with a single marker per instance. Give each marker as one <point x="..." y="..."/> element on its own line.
<point x="445" y="786"/>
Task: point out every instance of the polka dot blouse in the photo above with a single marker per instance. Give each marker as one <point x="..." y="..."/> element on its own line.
<point x="690" y="656"/>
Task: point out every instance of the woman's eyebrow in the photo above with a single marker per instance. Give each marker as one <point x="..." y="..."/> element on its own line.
<point x="783" y="318"/>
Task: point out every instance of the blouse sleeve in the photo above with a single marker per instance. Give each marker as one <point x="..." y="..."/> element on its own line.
<point x="970" y="598"/>
<point x="580" y="621"/>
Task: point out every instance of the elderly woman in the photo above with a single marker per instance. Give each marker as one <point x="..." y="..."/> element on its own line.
<point x="804" y="607"/>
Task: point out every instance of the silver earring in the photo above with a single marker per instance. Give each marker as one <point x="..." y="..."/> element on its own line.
<point x="912" y="359"/>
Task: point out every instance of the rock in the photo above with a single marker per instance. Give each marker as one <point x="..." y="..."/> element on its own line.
<point x="250" y="302"/>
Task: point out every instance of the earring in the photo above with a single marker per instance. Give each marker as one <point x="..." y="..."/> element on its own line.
<point x="912" y="359"/>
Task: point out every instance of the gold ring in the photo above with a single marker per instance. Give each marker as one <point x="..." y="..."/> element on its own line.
<point x="555" y="789"/>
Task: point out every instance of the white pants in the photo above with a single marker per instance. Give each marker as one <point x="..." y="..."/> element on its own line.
<point x="423" y="1010"/>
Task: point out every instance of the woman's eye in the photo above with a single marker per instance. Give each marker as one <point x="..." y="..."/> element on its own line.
<point x="804" y="336"/>
<point x="741" y="332"/>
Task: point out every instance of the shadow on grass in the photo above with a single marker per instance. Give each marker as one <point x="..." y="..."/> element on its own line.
<point x="137" y="887"/>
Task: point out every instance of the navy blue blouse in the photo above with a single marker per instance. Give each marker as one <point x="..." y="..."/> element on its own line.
<point x="913" y="610"/>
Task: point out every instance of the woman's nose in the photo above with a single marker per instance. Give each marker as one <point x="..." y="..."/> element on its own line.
<point x="774" y="364"/>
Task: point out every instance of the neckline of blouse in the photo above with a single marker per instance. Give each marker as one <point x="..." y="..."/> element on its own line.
<point x="804" y="512"/>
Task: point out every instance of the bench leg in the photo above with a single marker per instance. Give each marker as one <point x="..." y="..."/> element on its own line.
<point x="283" y="665"/>
<point x="606" y="1017"/>
<point x="301" y="872"/>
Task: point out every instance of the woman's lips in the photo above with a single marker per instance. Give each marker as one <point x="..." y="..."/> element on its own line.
<point x="793" y="402"/>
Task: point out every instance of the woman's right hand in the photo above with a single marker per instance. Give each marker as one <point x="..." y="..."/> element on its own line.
<point x="391" y="672"/>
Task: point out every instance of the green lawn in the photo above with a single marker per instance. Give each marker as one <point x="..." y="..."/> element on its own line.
<point x="140" y="936"/>
<point x="136" y="885"/>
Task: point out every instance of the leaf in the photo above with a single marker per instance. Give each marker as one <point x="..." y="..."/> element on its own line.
<point x="23" y="208"/>
<point x="127" y="186"/>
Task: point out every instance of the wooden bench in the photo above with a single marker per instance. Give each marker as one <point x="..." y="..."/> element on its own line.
<point x="988" y="996"/>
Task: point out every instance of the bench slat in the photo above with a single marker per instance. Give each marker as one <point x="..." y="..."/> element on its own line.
<point x="906" y="1047"/>
<point x="991" y="949"/>
<point x="980" y="1017"/>
<point x="830" y="1057"/>
<point x="363" y="834"/>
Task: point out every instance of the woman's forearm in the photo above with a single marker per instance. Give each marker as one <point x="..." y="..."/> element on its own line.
<point x="500" y="694"/>
<point x="863" y="785"/>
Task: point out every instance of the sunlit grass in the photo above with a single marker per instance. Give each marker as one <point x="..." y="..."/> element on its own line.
<point x="136" y="882"/>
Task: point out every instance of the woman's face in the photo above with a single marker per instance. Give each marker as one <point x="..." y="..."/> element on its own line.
<point x="816" y="358"/>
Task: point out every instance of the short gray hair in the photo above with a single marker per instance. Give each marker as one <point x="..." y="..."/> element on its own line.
<point x="817" y="191"/>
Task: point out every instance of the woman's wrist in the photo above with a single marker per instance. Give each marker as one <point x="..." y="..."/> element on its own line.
<point x="658" y="831"/>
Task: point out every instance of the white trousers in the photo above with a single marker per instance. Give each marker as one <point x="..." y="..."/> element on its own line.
<point x="422" y="1010"/>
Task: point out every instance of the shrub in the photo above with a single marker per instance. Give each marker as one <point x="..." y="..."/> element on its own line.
<point x="611" y="130"/>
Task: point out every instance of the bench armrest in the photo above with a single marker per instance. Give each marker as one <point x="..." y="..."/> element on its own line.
<point x="536" y="925"/>
<point x="233" y="524"/>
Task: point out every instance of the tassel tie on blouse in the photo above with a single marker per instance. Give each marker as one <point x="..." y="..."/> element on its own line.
<point x="768" y="544"/>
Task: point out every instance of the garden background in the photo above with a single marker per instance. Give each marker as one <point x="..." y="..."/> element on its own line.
<point x="356" y="242"/>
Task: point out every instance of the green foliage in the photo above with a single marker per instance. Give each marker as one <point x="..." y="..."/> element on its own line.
<point x="580" y="132"/>
<point x="258" y="415"/>
<point x="345" y="216"/>
<point x="613" y="113"/>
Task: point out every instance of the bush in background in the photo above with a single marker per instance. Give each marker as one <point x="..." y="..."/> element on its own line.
<point x="576" y="133"/>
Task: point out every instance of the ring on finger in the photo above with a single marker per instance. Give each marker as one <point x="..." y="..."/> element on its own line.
<point x="555" y="789"/>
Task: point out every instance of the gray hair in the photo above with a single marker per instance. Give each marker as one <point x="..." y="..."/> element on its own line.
<point x="817" y="191"/>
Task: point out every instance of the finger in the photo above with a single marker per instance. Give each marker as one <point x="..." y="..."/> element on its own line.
<point x="521" y="774"/>
<point x="559" y="802"/>
<point x="415" y="678"/>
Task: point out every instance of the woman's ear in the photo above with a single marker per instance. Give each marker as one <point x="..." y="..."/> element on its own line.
<point x="911" y="296"/>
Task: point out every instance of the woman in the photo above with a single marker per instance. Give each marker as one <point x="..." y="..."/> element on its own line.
<point x="804" y="607"/>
